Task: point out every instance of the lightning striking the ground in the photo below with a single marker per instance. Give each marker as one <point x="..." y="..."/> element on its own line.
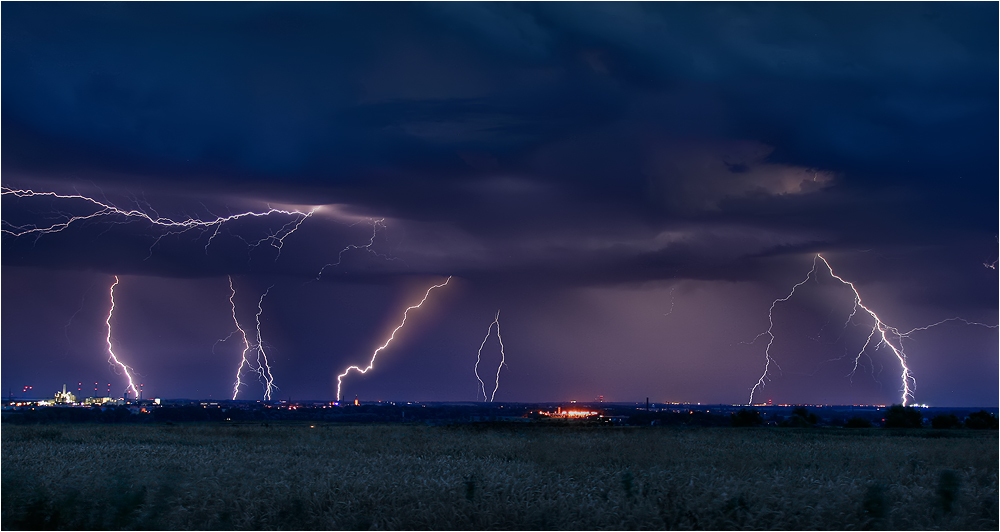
<point x="243" y="333"/>
<point x="105" y="209"/>
<point x="261" y="367"/>
<point x="371" y="363"/>
<point x="479" y="356"/>
<point x="884" y="335"/>
<point x="112" y="358"/>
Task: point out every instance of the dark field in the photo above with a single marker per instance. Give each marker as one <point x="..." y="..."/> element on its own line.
<point x="217" y="476"/>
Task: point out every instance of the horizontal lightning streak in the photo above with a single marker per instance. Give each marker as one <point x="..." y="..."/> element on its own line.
<point x="174" y="227"/>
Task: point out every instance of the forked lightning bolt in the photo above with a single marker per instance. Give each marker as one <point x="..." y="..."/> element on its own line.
<point x="262" y="369"/>
<point x="371" y="363"/>
<point x="479" y="356"/>
<point x="243" y="333"/>
<point x="883" y="334"/>
<point x="112" y="358"/>
<point x="173" y="227"/>
<point x="376" y="224"/>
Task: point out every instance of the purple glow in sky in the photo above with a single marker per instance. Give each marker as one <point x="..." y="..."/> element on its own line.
<point x="633" y="184"/>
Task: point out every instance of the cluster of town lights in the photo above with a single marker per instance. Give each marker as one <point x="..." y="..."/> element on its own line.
<point x="569" y="413"/>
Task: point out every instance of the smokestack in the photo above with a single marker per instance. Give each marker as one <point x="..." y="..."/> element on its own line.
<point x="647" y="404"/>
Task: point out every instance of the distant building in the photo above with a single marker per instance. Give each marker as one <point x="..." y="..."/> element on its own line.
<point x="64" y="397"/>
<point x="101" y="401"/>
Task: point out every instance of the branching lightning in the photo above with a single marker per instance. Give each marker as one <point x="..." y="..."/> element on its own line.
<point x="243" y="333"/>
<point x="103" y="209"/>
<point x="479" y="356"/>
<point x="261" y="368"/>
<point x="371" y="363"/>
<point x="112" y="358"/>
<point x="376" y="224"/>
<point x="884" y="335"/>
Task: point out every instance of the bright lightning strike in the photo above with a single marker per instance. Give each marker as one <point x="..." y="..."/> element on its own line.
<point x="371" y="363"/>
<point x="479" y="357"/>
<point x="883" y="334"/>
<point x="243" y="333"/>
<point x="112" y="358"/>
<point x="262" y="369"/>
<point x="173" y="227"/>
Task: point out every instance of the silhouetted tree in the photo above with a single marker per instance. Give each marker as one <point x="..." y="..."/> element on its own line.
<point x="801" y="417"/>
<point x="946" y="421"/>
<point x="899" y="416"/>
<point x="746" y="418"/>
<point x="981" y="420"/>
<point x="858" y="423"/>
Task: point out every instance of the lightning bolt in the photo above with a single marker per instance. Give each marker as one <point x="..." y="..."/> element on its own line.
<point x="112" y="358"/>
<point x="770" y="318"/>
<point x="173" y="227"/>
<point x="243" y="333"/>
<point x="881" y="333"/>
<point x="376" y="224"/>
<point x="479" y="356"/>
<point x="262" y="369"/>
<point x="992" y="265"/>
<point x="671" y="311"/>
<point x="371" y="363"/>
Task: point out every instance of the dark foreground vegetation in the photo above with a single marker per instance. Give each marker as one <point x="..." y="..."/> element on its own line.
<point x="337" y="476"/>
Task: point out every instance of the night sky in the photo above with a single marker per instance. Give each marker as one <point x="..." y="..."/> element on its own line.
<point x="630" y="185"/>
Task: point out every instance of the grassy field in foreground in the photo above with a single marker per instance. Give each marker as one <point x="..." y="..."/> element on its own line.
<point x="336" y="477"/>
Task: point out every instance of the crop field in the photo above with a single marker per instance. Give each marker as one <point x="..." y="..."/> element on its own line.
<point x="337" y="477"/>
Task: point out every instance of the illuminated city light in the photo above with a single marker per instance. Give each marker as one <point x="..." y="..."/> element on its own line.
<point x="884" y="333"/>
<point x="111" y="352"/>
<point x="479" y="356"/>
<point x="371" y="363"/>
<point x="569" y="413"/>
<point x="174" y="227"/>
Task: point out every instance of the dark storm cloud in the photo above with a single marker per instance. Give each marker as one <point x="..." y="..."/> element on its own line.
<point x="615" y="110"/>
<point x="550" y="145"/>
